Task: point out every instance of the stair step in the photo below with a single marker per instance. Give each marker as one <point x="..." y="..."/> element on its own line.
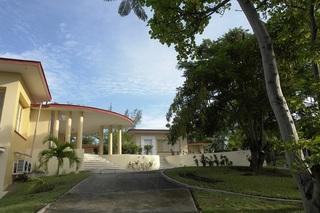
<point x="96" y="163"/>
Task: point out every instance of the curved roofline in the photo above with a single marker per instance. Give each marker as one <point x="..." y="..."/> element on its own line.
<point x="80" y="107"/>
<point x="146" y="130"/>
<point x="37" y="64"/>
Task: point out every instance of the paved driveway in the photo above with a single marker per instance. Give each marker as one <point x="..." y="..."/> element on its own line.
<point x="126" y="192"/>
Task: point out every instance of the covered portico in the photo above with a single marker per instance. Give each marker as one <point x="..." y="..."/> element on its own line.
<point x="74" y="121"/>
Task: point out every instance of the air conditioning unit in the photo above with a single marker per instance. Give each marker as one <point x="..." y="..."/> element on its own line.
<point x="21" y="167"/>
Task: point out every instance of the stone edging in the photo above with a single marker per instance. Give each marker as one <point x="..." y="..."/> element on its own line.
<point x="225" y="192"/>
<point x="43" y="209"/>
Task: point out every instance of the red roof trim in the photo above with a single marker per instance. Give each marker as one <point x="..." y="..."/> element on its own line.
<point x="148" y="130"/>
<point x="160" y="130"/>
<point x="34" y="63"/>
<point x="94" y="109"/>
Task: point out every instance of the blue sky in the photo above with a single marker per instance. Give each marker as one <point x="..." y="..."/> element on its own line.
<point x="92" y="56"/>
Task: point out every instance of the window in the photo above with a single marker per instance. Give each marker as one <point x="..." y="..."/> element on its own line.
<point x="19" y="118"/>
<point x="2" y="93"/>
<point x="148" y="141"/>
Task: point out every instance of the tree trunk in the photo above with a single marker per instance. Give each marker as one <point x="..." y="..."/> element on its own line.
<point x="256" y="161"/>
<point x="254" y="135"/>
<point x="314" y="33"/>
<point x="58" y="169"/>
<point x="279" y="105"/>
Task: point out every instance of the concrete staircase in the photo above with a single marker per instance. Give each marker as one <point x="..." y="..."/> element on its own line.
<point x="97" y="164"/>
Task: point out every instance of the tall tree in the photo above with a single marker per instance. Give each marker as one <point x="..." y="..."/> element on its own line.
<point x="178" y="21"/>
<point x="224" y="90"/>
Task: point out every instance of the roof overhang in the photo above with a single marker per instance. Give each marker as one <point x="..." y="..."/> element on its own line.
<point x="94" y="118"/>
<point x="33" y="77"/>
<point x="148" y="131"/>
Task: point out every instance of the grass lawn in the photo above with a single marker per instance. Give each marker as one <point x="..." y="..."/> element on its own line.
<point x="270" y="183"/>
<point x="212" y="202"/>
<point x="25" y="197"/>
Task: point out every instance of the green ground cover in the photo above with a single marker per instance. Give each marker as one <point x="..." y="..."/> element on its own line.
<point x="270" y="183"/>
<point x="32" y="195"/>
<point x="212" y="202"/>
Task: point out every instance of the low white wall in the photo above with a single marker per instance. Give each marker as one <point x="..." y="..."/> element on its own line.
<point x="123" y="160"/>
<point x="238" y="158"/>
<point x="53" y="163"/>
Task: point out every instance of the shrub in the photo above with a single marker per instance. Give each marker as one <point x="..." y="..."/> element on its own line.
<point x="216" y="160"/>
<point x="203" y="160"/>
<point x="21" y="177"/>
<point x="147" y="148"/>
<point x="196" y="160"/>
<point x="140" y="164"/>
<point x="129" y="147"/>
<point x="212" y="160"/>
<point x="41" y="185"/>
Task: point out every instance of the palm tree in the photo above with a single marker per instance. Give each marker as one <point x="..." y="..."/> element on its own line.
<point x="60" y="151"/>
<point x="126" y="6"/>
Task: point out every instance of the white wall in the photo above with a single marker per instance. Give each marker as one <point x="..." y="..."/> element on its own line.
<point x="238" y="158"/>
<point x="123" y="160"/>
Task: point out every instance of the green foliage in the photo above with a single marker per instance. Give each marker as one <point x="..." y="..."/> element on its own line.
<point x="22" y="177"/>
<point x="177" y="22"/>
<point x="147" y="148"/>
<point x="41" y="185"/>
<point x="140" y="164"/>
<point x="212" y="160"/>
<point x="130" y="148"/>
<point x="89" y="140"/>
<point x="311" y="149"/>
<point x="60" y="151"/>
<point x="211" y="101"/>
<point x="196" y="160"/>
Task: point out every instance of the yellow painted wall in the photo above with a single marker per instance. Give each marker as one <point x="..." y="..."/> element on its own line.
<point x="14" y="90"/>
<point x="18" y="145"/>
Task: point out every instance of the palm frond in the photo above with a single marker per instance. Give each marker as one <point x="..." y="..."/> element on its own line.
<point x="53" y="140"/>
<point x="60" y="151"/>
<point x="44" y="157"/>
<point x="124" y="8"/>
<point x="138" y="10"/>
<point x="72" y="157"/>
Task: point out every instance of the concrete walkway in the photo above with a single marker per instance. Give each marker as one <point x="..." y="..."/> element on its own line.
<point x="126" y="192"/>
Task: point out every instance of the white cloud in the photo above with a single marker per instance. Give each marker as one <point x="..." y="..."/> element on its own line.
<point x="153" y="121"/>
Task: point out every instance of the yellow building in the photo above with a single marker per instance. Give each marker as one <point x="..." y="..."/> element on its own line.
<point x="27" y="118"/>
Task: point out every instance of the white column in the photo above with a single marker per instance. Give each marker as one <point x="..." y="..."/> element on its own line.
<point x="120" y="141"/>
<point x="101" y="142"/>
<point x="110" y="141"/>
<point x="56" y="125"/>
<point x="68" y="128"/>
<point x="80" y="131"/>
